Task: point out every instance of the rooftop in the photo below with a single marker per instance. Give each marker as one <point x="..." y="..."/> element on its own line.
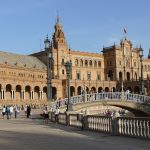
<point x="20" y="60"/>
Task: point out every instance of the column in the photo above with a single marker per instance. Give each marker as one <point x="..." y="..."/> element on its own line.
<point x="2" y="94"/>
<point x="24" y="94"/>
<point x="32" y="94"/>
<point x="41" y="94"/>
<point x="12" y="94"/>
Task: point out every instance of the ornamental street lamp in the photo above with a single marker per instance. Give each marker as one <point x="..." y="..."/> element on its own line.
<point x="49" y="68"/>
<point x="68" y="66"/>
<point x="141" y="59"/>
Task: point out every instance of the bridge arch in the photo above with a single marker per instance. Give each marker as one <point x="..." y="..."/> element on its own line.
<point x="136" y="112"/>
<point x="139" y="105"/>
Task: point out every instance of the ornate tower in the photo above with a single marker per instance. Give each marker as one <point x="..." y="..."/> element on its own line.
<point x="59" y="50"/>
<point x="58" y="36"/>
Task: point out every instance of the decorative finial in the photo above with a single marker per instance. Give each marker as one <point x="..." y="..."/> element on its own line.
<point x="149" y="54"/>
<point x="58" y="21"/>
<point x="140" y="45"/>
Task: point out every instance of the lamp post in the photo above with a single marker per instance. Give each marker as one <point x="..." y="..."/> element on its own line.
<point x="122" y="87"/>
<point x="141" y="59"/>
<point x="68" y="65"/>
<point x="122" y="90"/>
<point x="49" y="68"/>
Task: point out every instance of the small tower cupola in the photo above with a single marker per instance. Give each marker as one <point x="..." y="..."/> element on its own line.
<point x="58" y="25"/>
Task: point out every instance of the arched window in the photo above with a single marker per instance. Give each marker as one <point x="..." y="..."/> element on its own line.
<point x="148" y="68"/>
<point x="86" y="63"/>
<point x="110" y="75"/>
<point x="76" y="62"/>
<point x="91" y="63"/>
<point x="81" y="62"/>
<point x="99" y="63"/>
<point x="145" y="68"/>
<point x="120" y="76"/>
<point x="135" y="76"/>
<point x="128" y="76"/>
<point x="95" y="63"/>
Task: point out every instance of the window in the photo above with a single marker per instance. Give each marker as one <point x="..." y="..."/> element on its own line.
<point x="95" y="64"/>
<point x="89" y="76"/>
<point x="78" y="75"/>
<point x="81" y="62"/>
<point x="63" y="72"/>
<point x="86" y="63"/>
<point x="76" y="62"/>
<point x="91" y="63"/>
<point x="145" y="68"/>
<point x="98" y="77"/>
<point x="148" y="68"/>
<point x="99" y="64"/>
<point x="63" y="61"/>
<point x="120" y="63"/>
<point x="110" y="63"/>
<point x="107" y="63"/>
<point x="134" y="64"/>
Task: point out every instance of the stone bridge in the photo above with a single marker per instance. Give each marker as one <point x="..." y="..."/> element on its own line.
<point x="139" y="105"/>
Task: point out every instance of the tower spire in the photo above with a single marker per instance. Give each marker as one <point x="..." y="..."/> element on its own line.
<point x="58" y="23"/>
<point x="149" y="54"/>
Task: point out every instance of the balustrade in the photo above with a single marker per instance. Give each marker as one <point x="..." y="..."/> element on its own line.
<point x="73" y="121"/>
<point x="62" y="118"/>
<point x="134" y="127"/>
<point x="104" y="96"/>
<point x="137" y="127"/>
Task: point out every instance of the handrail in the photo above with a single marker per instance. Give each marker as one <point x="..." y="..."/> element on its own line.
<point x="107" y="96"/>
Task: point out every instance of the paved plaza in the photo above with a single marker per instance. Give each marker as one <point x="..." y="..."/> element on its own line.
<point x="32" y="134"/>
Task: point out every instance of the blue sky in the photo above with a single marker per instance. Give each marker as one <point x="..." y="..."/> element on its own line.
<point x="88" y="24"/>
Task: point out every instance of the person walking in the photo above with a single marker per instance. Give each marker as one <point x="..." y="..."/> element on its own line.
<point x="11" y="111"/>
<point x="56" y="114"/>
<point x="8" y="112"/>
<point x="16" y="111"/>
<point x="28" y="111"/>
<point x="3" y="111"/>
<point x="46" y="115"/>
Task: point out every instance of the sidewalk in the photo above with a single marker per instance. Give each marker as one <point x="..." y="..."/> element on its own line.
<point x="32" y="134"/>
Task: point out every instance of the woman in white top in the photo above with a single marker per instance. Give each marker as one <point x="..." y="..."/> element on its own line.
<point x="11" y="111"/>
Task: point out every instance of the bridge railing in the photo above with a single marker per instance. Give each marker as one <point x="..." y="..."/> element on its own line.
<point x="135" y="127"/>
<point x="122" y="126"/>
<point x="104" y="96"/>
